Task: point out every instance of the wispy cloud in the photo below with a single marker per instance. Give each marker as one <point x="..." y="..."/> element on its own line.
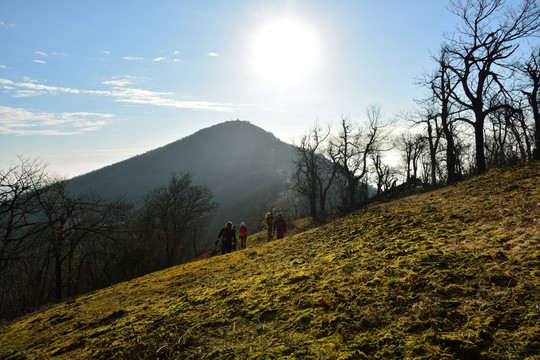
<point x="29" y="79"/>
<point x="117" y="82"/>
<point x="40" y="53"/>
<point x="133" y="58"/>
<point x="147" y="97"/>
<point x="31" y="88"/>
<point x="159" y="59"/>
<point x="40" y="61"/>
<point x="17" y="121"/>
<point x="120" y="91"/>
<point x="177" y="60"/>
<point x="3" y="67"/>
<point x="106" y="52"/>
<point x="212" y="54"/>
<point x="130" y="95"/>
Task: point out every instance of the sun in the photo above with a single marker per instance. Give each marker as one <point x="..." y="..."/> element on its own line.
<point x="285" y="52"/>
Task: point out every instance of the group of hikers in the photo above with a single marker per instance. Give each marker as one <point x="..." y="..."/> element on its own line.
<point x="277" y="224"/>
<point x="230" y="236"/>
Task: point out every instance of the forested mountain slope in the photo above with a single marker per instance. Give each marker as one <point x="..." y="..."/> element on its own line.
<point x="449" y="274"/>
<point x="244" y="166"/>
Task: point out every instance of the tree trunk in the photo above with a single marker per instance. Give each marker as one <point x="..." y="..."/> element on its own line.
<point x="536" y="112"/>
<point x="479" y="144"/>
<point x="58" y="277"/>
<point x="432" y="154"/>
<point x="451" y="161"/>
<point x="313" y="200"/>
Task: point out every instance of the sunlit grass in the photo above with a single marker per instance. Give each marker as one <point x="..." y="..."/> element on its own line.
<point x="449" y="274"/>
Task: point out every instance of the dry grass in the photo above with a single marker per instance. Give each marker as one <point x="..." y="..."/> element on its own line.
<point x="450" y="274"/>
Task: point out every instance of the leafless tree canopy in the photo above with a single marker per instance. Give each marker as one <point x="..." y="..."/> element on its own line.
<point x="480" y="56"/>
<point x="55" y="244"/>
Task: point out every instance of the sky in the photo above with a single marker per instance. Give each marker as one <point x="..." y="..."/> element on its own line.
<point x="85" y="84"/>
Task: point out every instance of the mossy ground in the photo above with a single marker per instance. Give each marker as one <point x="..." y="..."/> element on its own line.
<point x="449" y="274"/>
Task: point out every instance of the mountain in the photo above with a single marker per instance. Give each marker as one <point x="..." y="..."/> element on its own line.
<point x="448" y="274"/>
<point x="244" y="166"/>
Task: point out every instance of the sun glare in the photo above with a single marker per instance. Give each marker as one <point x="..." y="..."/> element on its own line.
<point x="284" y="53"/>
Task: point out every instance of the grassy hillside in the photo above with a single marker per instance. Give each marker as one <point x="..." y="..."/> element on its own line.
<point x="450" y="274"/>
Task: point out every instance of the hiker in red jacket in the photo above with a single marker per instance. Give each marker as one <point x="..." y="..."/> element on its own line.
<point x="243" y="233"/>
<point x="280" y="225"/>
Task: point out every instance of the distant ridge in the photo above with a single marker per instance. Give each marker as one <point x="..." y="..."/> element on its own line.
<point x="243" y="165"/>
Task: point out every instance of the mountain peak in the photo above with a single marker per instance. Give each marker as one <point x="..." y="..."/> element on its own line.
<point x="244" y="166"/>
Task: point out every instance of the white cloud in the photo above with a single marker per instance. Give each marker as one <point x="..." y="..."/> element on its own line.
<point x="40" y="53"/>
<point x="27" y="93"/>
<point x="46" y="88"/>
<point x="146" y="97"/>
<point x="177" y="60"/>
<point x="212" y="54"/>
<point x="106" y="52"/>
<point x="3" y="67"/>
<point x="176" y="52"/>
<point x="160" y="59"/>
<point x="117" y="82"/>
<point x="17" y="121"/>
<point x="133" y="58"/>
<point x="122" y="81"/>
<point x="29" y="79"/>
<point x="39" y="61"/>
<point x="119" y="91"/>
<point x="31" y="88"/>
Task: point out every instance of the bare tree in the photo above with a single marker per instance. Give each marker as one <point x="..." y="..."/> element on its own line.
<point x="509" y="140"/>
<point x="43" y="230"/>
<point x="20" y="186"/>
<point x="433" y="138"/>
<point x="383" y="174"/>
<point x="175" y="212"/>
<point x="489" y="36"/>
<point x="350" y="152"/>
<point x="531" y="69"/>
<point x="412" y="146"/>
<point x="314" y="174"/>
<point x="70" y="220"/>
<point x="443" y="86"/>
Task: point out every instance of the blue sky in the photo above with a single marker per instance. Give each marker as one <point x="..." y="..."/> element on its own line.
<point x="84" y="84"/>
